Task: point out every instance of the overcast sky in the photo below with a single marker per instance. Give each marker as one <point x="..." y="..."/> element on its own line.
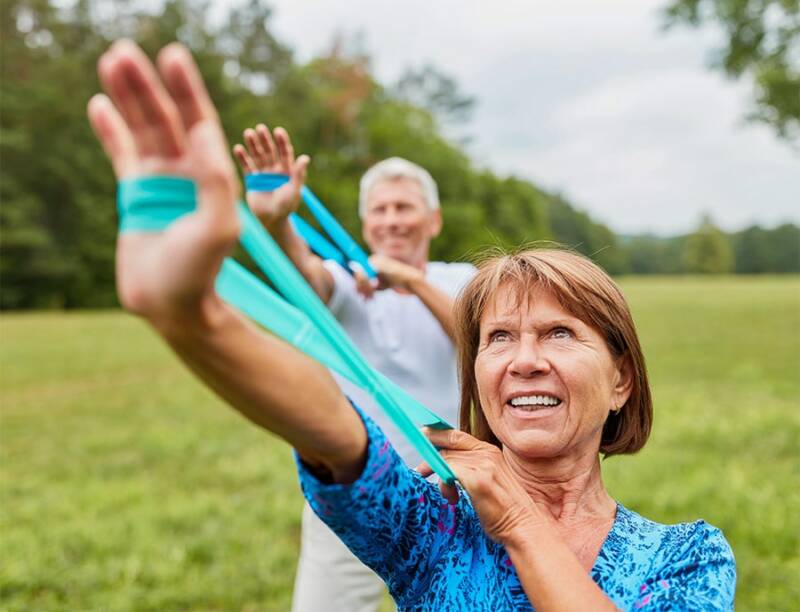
<point x="587" y="98"/>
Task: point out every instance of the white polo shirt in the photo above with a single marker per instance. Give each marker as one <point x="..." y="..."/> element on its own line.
<point x="399" y="337"/>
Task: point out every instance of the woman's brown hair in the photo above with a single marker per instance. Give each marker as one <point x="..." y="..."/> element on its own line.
<point x="584" y="290"/>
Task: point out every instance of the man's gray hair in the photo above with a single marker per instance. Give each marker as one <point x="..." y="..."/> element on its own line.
<point x="397" y="168"/>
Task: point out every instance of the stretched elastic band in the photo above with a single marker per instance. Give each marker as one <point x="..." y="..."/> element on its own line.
<point x="270" y="181"/>
<point x="317" y="242"/>
<point x="272" y="261"/>
<point x="245" y="291"/>
<point x="308" y="324"/>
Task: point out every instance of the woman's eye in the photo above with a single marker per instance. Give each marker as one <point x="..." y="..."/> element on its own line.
<point x="498" y="336"/>
<point x="560" y="333"/>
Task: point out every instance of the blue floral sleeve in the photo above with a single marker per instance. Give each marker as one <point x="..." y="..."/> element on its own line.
<point x="391" y="518"/>
<point x="433" y="555"/>
<point x="647" y="566"/>
<point x="699" y="575"/>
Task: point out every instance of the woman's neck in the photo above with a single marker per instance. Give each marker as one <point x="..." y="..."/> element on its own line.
<point x="567" y="489"/>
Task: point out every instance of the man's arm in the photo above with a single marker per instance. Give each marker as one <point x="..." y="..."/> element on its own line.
<point x="264" y="153"/>
<point x="306" y="262"/>
<point x="393" y="273"/>
<point x="437" y="301"/>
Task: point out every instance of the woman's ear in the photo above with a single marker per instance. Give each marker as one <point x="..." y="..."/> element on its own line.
<point x="624" y="381"/>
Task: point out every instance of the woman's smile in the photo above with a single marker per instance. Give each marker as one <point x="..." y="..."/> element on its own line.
<point x="533" y="404"/>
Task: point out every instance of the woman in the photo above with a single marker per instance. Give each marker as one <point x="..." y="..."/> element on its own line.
<point x="552" y="375"/>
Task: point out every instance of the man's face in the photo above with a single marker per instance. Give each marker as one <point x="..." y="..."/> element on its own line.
<point x="398" y="222"/>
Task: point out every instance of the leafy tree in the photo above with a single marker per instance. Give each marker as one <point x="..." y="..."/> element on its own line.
<point x="431" y="89"/>
<point x="708" y="250"/>
<point x="647" y="255"/>
<point x="57" y="220"/>
<point x="758" y="250"/>
<point x="785" y="240"/>
<point x="57" y="241"/>
<point x="752" y="251"/>
<point x="763" y="42"/>
<point x="575" y="229"/>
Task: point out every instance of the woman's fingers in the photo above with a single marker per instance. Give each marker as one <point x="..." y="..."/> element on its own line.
<point x="424" y="469"/>
<point x="212" y="169"/>
<point x="245" y="161"/>
<point x="185" y="84"/>
<point x="452" y="439"/>
<point x="449" y="492"/>
<point x="114" y="135"/>
<point x="133" y="84"/>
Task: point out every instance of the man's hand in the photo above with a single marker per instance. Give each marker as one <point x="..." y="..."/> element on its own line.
<point x="276" y="155"/>
<point x="392" y="274"/>
<point x="163" y="122"/>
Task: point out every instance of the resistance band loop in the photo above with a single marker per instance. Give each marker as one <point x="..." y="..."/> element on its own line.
<point x="270" y="181"/>
<point x="317" y="241"/>
<point x="150" y="204"/>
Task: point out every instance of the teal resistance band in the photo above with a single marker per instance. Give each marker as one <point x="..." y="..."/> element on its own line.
<point x="239" y="287"/>
<point x="317" y="242"/>
<point x="270" y="181"/>
<point x="308" y="324"/>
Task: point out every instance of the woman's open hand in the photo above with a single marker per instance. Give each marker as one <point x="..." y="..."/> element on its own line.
<point x="502" y="504"/>
<point x="162" y="122"/>
<point x="265" y="152"/>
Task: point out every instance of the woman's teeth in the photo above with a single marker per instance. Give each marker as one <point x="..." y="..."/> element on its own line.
<point x="533" y="402"/>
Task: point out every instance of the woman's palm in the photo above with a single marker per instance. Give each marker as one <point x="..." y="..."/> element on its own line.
<point x="147" y="131"/>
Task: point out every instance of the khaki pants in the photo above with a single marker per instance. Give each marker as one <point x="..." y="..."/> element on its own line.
<point x="329" y="577"/>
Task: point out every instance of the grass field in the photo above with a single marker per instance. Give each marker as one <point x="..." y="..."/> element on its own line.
<point x="126" y="486"/>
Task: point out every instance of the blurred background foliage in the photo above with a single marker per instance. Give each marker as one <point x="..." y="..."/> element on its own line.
<point x="762" y="43"/>
<point x="58" y="226"/>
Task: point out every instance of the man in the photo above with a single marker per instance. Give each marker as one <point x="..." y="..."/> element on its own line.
<point x="402" y="324"/>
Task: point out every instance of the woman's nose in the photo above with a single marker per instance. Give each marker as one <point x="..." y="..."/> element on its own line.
<point x="529" y="360"/>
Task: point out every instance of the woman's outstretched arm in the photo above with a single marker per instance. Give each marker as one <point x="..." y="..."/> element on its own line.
<point x="275" y="386"/>
<point x="162" y="122"/>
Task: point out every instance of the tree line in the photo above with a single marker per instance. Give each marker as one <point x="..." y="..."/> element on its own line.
<point x="57" y="220"/>
<point x="708" y="250"/>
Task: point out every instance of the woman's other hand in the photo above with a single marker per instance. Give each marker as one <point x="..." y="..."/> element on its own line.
<point x="162" y="122"/>
<point x="503" y="506"/>
<point x="274" y="153"/>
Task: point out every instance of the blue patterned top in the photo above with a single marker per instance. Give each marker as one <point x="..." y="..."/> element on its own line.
<point x="435" y="556"/>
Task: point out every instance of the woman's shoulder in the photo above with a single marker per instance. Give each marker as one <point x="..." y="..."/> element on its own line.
<point x="666" y="566"/>
<point x="646" y="532"/>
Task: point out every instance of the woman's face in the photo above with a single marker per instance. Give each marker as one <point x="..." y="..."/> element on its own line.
<point x="546" y="379"/>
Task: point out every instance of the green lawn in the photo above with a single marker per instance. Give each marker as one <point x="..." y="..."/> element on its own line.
<point x="126" y="486"/>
